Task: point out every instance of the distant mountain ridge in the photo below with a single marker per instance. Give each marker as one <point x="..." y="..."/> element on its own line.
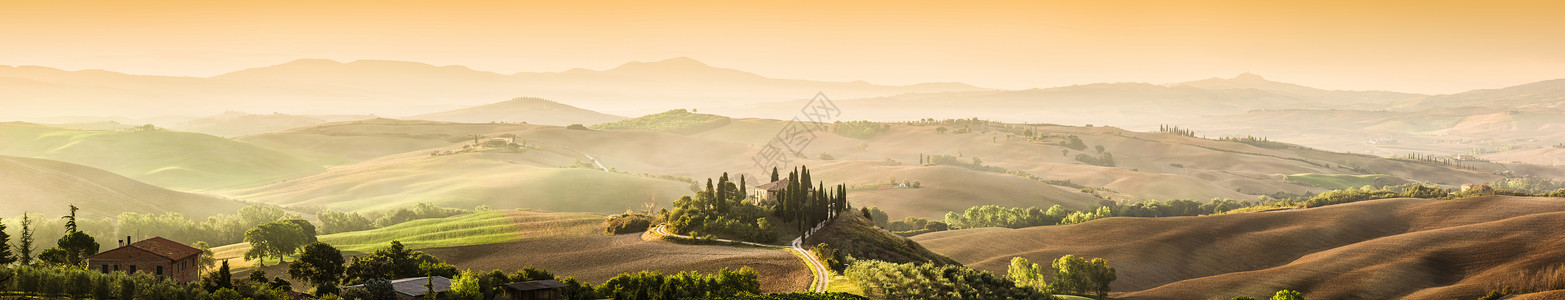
<point x="383" y="87"/>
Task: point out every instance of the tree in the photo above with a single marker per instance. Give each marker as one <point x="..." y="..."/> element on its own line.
<point x="394" y="262"/>
<point x="307" y="229"/>
<point x="1288" y="295"/>
<point x="466" y="286"/>
<point x="318" y="264"/>
<point x="1026" y="274"/>
<point x="54" y="257"/>
<point x="1100" y="276"/>
<point x="24" y="244"/>
<point x="223" y="277"/>
<point x="6" y="257"/>
<point x="73" y="248"/>
<point x="275" y="239"/>
<point x="206" y="260"/>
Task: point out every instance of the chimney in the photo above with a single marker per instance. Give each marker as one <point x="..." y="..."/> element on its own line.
<point x="122" y="243"/>
<point x="128" y="241"/>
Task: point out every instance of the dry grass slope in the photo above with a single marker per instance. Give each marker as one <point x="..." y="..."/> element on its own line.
<point x="1383" y="249"/>
<point x="49" y="187"/>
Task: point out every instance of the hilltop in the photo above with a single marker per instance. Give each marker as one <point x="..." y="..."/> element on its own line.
<point x="170" y="159"/>
<point x="1361" y="100"/>
<point x="526" y="109"/>
<point x="49" y="187"/>
<point x="1382" y="249"/>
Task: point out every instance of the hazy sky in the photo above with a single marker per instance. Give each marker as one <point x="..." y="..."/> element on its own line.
<point x="1426" y="46"/>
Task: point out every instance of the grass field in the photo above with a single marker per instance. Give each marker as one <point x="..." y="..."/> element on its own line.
<point x="1339" y="181"/>
<point x="479" y="228"/>
<point x="499" y="180"/>
<point x="491" y="227"/>
<point x="842" y="284"/>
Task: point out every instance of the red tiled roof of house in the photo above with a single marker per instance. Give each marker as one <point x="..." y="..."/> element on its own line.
<point x="166" y="248"/>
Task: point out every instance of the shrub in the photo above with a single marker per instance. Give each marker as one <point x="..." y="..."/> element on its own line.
<point x="1288" y="295"/>
<point x="858" y="129"/>
<point x="629" y="222"/>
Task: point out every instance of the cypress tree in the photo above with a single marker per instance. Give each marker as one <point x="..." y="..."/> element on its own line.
<point x="24" y="245"/>
<point x="744" y="190"/>
<point x="6" y="257"/>
<point x="774" y="174"/>
<point x="224" y="278"/>
<point x="720" y="200"/>
<point x="709" y="194"/>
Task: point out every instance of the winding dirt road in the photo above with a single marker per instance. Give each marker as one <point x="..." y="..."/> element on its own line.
<point x="822" y="276"/>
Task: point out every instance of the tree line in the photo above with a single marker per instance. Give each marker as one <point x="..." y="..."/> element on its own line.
<point x="884" y="280"/>
<point x="1067" y="275"/>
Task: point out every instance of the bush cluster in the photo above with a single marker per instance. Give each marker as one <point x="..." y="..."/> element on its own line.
<point x="884" y="280"/>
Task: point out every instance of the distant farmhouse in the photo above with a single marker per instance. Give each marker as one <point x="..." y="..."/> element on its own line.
<point x="157" y="256"/>
<point x="768" y="191"/>
<point x="533" y="290"/>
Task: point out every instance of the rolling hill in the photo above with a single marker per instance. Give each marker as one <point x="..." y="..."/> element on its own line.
<point x="1383" y="249"/>
<point x="348" y="142"/>
<point x="1542" y="94"/>
<point x="49" y="187"/>
<point x="1357" y="100"/>
<point x="398" y="166"/>
<point x="501" y="180"/>
<point x="522" y="110"/>
<point x="170" y="159"/>
<point x="233" y="124"/>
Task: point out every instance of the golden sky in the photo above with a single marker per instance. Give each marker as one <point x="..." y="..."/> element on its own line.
<point x="1429" y="46"/>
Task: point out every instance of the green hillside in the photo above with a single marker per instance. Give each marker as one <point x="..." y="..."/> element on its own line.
<point x="171" y="159"/>
<point x="1342" y="181"/>
<point x="489" y="227"/>
<point x="496" y="226"/>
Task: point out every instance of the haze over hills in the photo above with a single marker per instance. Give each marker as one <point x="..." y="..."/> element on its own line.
<point x="315" y="86"/>
<point x="49" y="187"/>
<point x="1130" y="105"/>
<point x="526" y="109"/>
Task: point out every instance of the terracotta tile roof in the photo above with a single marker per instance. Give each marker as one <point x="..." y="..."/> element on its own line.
<point x="166" y="248"/>
<point x="774" y="186"/>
